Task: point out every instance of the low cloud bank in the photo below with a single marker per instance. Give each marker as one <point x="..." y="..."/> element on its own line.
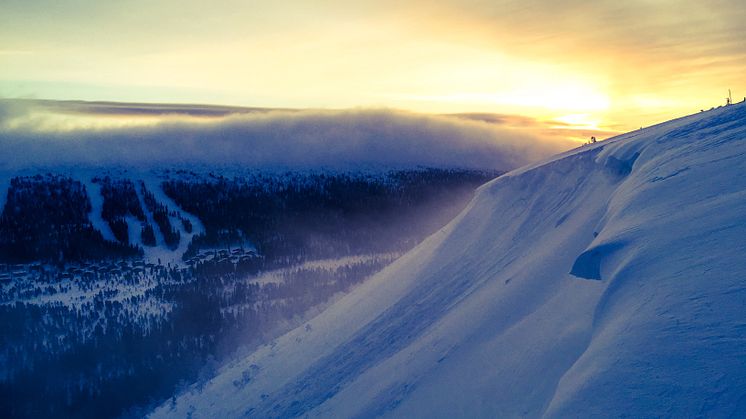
<point x="288" y="139"/>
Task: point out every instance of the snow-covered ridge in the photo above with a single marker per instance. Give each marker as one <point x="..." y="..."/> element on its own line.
<point x="605" y="281"/>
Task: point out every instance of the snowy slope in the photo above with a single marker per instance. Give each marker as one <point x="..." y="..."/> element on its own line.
<point x="485" y="318"/>
<point x="97" y="205"/>
<point x="4" y="184"/>
<point x="153" y="184"/>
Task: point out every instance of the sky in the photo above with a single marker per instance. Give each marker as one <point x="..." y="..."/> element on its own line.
<point x="571" y="66"/>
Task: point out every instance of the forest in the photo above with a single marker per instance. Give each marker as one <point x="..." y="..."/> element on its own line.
<point x="97" y="329"/>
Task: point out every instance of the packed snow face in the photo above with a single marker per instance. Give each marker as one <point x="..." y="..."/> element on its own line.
<point x="607" y="281"/>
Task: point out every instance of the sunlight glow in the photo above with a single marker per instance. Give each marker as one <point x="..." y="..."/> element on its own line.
<point x="497" y="58"/>
<point x="575" y="121"/>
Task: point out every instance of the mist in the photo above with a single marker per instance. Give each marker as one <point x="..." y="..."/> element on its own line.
<point x="267" y="138"/>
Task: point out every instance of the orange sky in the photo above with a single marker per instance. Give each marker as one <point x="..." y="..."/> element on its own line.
<point x="603" y="66"/>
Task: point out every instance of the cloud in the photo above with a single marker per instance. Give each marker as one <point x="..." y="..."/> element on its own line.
<point x="81" y="107"/>
<point x="672" y="38"/>
<point x="553" y="129"/>
<point x="280" y="138"/>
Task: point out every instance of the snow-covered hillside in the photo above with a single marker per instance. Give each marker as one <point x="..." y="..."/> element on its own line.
<point x="606" y="281"/>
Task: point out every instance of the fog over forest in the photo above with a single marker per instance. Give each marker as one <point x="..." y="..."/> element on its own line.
<point x="32" y="135"/>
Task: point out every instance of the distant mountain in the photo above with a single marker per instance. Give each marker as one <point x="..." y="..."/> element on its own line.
<point x="171" y="215"/>
<point x="605" y="281"/>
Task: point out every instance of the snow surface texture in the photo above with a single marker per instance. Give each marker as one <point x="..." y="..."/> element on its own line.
<point x="485" y="318"/>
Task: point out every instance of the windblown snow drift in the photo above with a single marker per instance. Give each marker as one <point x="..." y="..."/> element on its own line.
<point x="606" y="281"/>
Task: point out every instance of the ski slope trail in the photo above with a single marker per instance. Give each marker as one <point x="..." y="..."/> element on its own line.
<point x="606" y="281"/>
<point x="4" y="185"/>
<point x="161" y="251"/>
<point x="97" y="206"/>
